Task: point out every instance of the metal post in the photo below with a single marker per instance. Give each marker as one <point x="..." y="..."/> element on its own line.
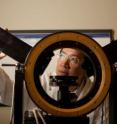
<point x="18" y="95"/>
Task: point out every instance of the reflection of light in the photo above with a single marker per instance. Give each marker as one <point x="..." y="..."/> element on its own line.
<point x="91" y="78"/>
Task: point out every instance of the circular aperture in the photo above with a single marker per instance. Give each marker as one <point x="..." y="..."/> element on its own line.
<point x="96" y="61"/>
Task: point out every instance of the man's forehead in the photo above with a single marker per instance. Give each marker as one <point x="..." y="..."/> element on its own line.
<point x="72" y="51"/>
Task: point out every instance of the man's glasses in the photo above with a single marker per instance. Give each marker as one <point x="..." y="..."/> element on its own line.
<point x="72" y="59"/>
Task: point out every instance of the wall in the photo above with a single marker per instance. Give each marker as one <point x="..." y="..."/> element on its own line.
<point x="58" y="14"/>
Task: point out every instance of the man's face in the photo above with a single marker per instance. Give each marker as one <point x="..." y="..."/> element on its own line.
<point x="69" y="62"/>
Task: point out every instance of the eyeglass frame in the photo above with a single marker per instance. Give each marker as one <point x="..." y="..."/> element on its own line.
<point x="72" y="58"/>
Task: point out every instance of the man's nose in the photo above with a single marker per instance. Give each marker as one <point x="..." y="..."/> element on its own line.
<point x="66" y="63"/>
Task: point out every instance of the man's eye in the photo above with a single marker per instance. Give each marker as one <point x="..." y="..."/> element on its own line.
<point x="74" y="60"/>
<point x="61" y="55"/>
